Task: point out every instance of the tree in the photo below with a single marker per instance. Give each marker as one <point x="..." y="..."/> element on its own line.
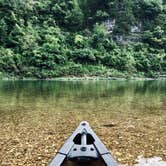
<point x="67" y="14"/>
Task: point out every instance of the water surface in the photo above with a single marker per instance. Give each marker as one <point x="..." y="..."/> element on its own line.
<point x="37" y="116"/>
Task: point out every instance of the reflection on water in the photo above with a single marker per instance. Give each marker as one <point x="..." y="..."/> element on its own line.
<point x="67" y="95"/>
<point x="113" y="108"/>
<point x="18" y="97"/>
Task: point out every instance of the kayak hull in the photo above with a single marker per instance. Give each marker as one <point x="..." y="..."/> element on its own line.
<point x="83" y="147"/>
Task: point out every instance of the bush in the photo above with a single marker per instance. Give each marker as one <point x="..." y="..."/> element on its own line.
<point x="83" y="56"/>
<point x="7" y="60"/>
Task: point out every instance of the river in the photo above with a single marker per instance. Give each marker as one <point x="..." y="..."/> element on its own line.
<point x="36" y="117"/>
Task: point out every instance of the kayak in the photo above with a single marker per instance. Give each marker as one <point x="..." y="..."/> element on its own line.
<point x="83" y="148"/>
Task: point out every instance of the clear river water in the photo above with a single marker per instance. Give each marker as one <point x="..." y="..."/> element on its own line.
<point x="36" y="117"/>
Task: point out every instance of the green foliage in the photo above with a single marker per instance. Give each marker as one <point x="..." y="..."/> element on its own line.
<point x="122" y="12"/>
<point x="67" y="13"/>
<point x="100" y="30"/>
<point x="9" y="61"/>
<point x="155" y="38"/>
<point x="51" y="38"/>
<point x="83" y="56"/>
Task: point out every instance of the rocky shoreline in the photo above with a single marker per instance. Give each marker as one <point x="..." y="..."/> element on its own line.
<point x="86" y="78"/>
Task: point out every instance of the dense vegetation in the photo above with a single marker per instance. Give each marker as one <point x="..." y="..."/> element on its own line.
<point x="52" y="38"/>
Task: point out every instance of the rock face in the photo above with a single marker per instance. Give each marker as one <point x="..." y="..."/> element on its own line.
<point x="133" y="36"/>
<point x="110" y="24"/>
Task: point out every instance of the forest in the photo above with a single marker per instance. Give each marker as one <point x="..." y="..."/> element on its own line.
<point x="60" y="38"/>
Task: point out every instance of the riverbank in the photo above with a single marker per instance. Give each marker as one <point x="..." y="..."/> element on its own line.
<point x="74" y="78"/>
<point x="94" y="73"/>
<point x="116" y="75"/>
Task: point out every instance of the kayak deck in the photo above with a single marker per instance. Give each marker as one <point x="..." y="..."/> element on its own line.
<point x="83" y="147"/>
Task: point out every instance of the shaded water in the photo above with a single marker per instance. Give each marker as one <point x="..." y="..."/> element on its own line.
<point x="37" y="116"/>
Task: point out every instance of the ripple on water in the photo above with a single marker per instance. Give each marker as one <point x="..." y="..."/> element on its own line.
<point x="154" y="161"/>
